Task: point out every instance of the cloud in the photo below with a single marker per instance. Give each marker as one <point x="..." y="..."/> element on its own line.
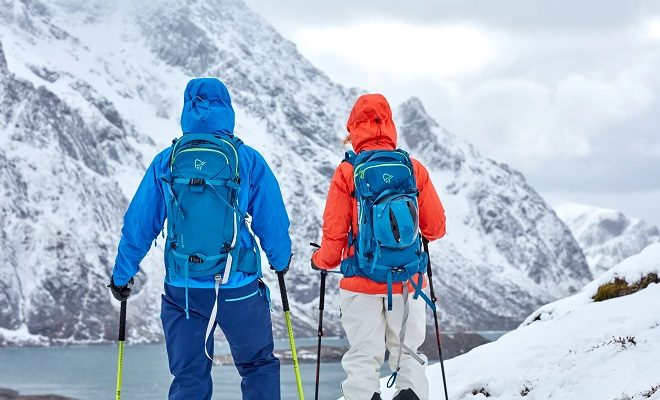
<point x="524" y="120"/>
<point x="654" y="28"/>
<point x="510" y="14"/>
<point x="399" y="48"/>
<point x="565" y="91"/>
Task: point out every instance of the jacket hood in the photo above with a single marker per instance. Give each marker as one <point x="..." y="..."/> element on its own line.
<point x="207" y="107"/>
<point x="370" y="124"/>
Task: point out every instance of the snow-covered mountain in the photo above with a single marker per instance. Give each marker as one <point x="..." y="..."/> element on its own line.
<point x="607" y="237"/>
<point x="572" y="349"/>
<point x="91" y="91"/>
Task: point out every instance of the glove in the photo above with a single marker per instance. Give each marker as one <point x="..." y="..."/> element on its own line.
<point x="285" y="270"/>
<point x="120" y="293"/>
<point x="314" y="267"/>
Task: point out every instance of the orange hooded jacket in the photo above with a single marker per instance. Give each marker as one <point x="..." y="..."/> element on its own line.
<point x="370" y="127"/>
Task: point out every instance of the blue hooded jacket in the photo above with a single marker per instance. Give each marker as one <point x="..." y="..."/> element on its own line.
<point x="207" y="109"/>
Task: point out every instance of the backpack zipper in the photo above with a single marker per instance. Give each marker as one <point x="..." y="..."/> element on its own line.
<point x="174" y="154"/>
<point x="361" y="172"/>
<point x="198" y="149"/>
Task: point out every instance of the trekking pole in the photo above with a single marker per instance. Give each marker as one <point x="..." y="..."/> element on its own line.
<point x="289" y="328"/>
<point x="324" y="274"/>
<point x="120" y="357"/>
<point x="434" y="299"/>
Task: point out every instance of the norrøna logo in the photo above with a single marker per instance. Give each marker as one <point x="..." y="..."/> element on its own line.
<point x="199" y="164"/>
<point x="387" y="178"/>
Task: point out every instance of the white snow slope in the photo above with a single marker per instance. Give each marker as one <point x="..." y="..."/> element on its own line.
<point x="91" y="90"/>
<point x="572" y="349"/>
<point x="607" y="237"/>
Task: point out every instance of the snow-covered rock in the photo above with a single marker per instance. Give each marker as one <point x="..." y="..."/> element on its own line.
<point x="572" y="349"/>
<point x="607" y="237"/>
<point x="90" y="91"/>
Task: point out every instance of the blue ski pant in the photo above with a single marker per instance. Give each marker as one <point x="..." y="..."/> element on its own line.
<point x="244" y="317"/>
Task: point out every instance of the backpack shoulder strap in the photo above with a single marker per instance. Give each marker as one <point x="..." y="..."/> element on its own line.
<point x="234" y="140"/>
<point x="175" y="143"/>
<point x="350" y="157"/>
<point x="407" y="156"/>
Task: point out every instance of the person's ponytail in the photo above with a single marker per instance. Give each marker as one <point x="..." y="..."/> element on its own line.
<point x="346" y="140"/>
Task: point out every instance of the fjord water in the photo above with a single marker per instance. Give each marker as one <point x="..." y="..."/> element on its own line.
<point x="88" y="373"/>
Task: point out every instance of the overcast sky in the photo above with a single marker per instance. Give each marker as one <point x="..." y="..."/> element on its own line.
<point x="568" y="92"/>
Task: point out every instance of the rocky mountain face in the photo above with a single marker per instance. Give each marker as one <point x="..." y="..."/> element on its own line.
<point x="90" y="91"/>
<point x="607" y="237"/>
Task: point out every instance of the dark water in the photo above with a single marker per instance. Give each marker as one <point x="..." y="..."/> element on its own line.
<point x="89" y="372"/>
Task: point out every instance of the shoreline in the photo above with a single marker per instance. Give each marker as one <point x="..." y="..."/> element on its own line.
<point x="10" y="394"/>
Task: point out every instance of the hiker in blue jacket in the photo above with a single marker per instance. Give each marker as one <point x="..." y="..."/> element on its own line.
<point x="203" y="290"/>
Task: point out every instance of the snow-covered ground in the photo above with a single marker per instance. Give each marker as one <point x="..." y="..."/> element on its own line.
<point x="572" y="349"/>
<point x="607" y="237"/>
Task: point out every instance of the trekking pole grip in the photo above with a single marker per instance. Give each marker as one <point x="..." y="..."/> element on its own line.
<point x="324" y="274"/>
<point x="429" y="270"/>
<point x="122" y="321"/>
<point x="285" y="298"/>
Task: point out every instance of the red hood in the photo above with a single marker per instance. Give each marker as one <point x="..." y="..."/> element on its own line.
<point x="370" y="124"/>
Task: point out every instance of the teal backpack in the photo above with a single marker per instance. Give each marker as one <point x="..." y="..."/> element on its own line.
<point x="388" y="244"/>
<point x="203" y="218"/>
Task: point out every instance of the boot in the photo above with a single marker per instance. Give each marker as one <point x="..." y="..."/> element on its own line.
<point x="376" y="396"/>
<point x="406" y="394"/>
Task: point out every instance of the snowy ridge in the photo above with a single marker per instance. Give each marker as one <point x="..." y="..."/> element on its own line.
<point x="91" y="92"/>
<point x="607" y="237"/>
<point x="572" y="349"/>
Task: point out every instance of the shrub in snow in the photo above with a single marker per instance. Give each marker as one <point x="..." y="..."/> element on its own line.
<point x="620" y="287"/>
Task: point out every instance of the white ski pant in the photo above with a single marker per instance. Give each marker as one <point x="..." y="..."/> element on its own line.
<point x="371" y="329"/>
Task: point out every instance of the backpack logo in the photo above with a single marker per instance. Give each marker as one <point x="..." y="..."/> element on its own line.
<point x="199" y="164"/>
<point x="387" y="178"/>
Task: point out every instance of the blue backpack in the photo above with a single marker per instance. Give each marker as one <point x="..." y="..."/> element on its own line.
<point x="388" y="245"/>
<point x="203" y="218"/>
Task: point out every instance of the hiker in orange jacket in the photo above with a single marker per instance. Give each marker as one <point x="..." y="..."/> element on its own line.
<point x="370" y="328"/>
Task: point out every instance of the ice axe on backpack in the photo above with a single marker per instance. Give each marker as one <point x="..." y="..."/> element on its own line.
<point x="289" y="328"/>
<point x="429" y="272"/>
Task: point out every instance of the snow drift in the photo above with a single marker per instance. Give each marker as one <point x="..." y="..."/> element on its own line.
<point x="572" y="349"/>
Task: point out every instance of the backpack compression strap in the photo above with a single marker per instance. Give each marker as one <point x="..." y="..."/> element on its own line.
<point x="402" y="338"/>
